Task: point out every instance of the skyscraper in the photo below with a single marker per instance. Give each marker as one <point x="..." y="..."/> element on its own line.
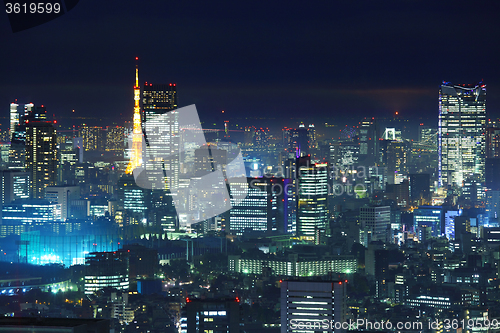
<point x="461" y="132"/>
<point x="14" y="119"/>
<point x="17" y="153"/>
<point x="375" y="224"/>
<point x="163" y="140"/>
<point x="368" y="140"/>
<point x="41" y="156"/>
<point x="312" y="210"/>
<point x="298" y="140"/>
<point x="264" y="209"/>
<point x="132" y="199"/>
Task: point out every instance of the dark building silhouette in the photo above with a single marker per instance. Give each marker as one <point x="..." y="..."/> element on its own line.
<point x="420" y="188"/>
<point x="212" y="315"/>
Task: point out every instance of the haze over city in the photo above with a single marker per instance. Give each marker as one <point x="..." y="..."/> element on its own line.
<point x="250" y="167"/>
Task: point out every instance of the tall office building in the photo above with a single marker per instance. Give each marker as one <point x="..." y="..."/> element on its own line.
<point x="163" y="137"/>
<point x="17" y="153"/>
<point x="311" y="136"/>
<point x="312" y="212"/>
<point x="397" y="161"/>
<point x="132" y="199"/>
<point x="290" y="169"/>
<point x="461" y="132"/>
<point x="375" y="224"/>
<point x="313" y="306"/>
<point x="41" y="156"/>
<point x="368" y="140"/>
<point x="264" y="209"/>
<point x="420" y="185"/>
<point x="14" y="119"/>
<point x="297" y="141"/>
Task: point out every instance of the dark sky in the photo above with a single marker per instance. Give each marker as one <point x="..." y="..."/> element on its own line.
<point x="278" y="58"/>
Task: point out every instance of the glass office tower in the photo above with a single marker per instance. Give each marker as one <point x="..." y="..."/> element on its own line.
<point x="163" y="140"/>
<point x="461" y="136"/>
<point x="312" y="197"/>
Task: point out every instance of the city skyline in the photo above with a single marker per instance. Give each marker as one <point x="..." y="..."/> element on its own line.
<point x="278" y="167"/>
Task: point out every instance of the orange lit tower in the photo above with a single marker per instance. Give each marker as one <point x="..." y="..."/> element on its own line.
<point x="136" y="149"/>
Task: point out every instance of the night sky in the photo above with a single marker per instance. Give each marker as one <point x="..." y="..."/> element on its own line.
<point x="259" y="58"/>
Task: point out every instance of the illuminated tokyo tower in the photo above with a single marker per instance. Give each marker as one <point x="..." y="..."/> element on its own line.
<point x="136" y="149"/>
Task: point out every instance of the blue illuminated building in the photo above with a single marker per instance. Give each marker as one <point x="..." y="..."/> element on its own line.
<point x="68" y="247"/>
<point x="428" y="217"/>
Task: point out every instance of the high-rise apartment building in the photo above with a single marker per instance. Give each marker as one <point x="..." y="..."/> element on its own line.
<point x="461" y="132"/>
<point x="313" y="306"/>
<point x="41" y="156"/>
<point x="162" y="137"/>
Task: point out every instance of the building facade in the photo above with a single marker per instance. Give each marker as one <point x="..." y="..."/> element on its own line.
<point x="162" y="135"/>
<point x="294" y="265"/>
<point x="312" y="306"/>
<point x="461" y="132"/>
<point x="312" y="212"/>
<point x="41" y="156"/>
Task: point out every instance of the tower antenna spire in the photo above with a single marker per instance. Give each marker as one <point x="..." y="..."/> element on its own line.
<point x="137" y="72"/>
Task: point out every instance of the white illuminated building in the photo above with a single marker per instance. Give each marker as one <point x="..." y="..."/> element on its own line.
<point x="307" y="306"/>
<point x="461" y="132"/>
